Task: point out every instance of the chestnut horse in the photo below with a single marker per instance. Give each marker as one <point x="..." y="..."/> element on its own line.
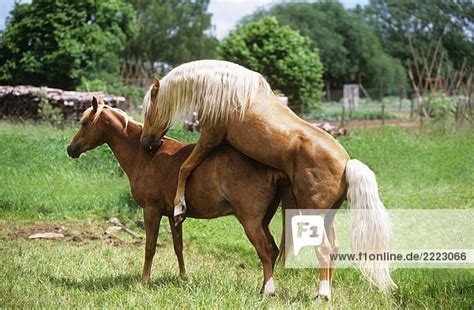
<point x="237" y="105"/>
<point x="227" y="182"/>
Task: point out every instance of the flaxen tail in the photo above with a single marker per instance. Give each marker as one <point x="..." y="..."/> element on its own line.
<point x="371" y="224"/>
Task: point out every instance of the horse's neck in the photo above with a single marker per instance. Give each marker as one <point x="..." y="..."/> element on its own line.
<point x="125" y="144"/>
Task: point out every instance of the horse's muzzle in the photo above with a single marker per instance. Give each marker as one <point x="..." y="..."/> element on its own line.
<point x="150" y="144"/>
<point x="73" y="151"/>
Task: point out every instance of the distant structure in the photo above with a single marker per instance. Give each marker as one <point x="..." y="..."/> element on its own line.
<point x="351" y="96"/>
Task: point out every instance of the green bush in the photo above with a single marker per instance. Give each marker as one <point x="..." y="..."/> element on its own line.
<point x="284" y="57"/>
<point x="442" y="109"/>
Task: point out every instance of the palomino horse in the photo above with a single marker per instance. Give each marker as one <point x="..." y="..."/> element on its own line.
<point x="219" y="186"/>
<point x="237" y="105"/>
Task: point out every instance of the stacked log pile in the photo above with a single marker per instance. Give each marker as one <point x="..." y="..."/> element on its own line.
<point x="23" y="101"/>
<point x="333" y="130"/>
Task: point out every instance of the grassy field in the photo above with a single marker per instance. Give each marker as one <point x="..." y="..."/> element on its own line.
<point x="41" y="189"/>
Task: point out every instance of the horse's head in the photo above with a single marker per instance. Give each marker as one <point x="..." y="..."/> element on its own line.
<point x="152" y="132"/>
<point x="91" y="133"/>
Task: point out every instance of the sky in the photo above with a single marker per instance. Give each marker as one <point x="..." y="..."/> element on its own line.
<point x="225" y="13"/>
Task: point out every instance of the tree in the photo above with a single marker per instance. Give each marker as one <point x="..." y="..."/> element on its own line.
<point x="172" y="32"/>
<point x="284" y="57"/>
<point x="349" y="49"/>
<point x="425" y="22"/>
<point x="57" y="42"/>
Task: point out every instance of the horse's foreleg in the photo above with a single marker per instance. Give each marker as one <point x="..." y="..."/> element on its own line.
<point x="152" y="217"/>
<point x="210" y="138"/>
<point x="177" y="233"/>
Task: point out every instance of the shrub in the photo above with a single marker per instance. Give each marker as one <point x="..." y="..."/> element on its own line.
<point x="284" y="57"/>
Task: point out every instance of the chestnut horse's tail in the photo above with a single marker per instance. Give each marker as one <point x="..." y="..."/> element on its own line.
<point x="371" y="224"/>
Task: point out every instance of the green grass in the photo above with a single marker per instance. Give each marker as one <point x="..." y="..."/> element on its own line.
<point x="40" y="185"/>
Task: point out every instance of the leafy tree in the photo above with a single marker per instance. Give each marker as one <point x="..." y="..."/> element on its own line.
<point x="350" y="50"/>
<point x="282" y="55"/>
<point x="425" y="22"/>
<point x="172" y="32"/>
<point x="57" y="42"/>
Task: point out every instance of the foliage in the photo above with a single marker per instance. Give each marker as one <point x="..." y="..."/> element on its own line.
<point x="349" y="49"/>
<point x="282" y="55"/>
<point x="442" y="108"/>
<point x="57" y="42"/>
<point x="172" y="32"/>
<point x="425" y="22"/>
<point x="133" y="93"/>
<point x="49" y="114"/>
<point x="336" y="115"/>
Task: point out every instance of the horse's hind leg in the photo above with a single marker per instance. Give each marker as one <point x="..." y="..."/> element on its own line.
<point x="313" y="191"/>
<point x="265" y="250"/>
<point x="323" y="251"/>
<point x="266" y="226"/>
<point x="209" y="139"/>
<point x="331" y="233"/>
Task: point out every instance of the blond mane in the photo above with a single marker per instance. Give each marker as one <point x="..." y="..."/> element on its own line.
<point x="218" y="90"/>
<point x="100" y="108"/>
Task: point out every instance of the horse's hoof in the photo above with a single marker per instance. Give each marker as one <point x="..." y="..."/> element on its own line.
<point x="268" y="290"/>
<point x="323" y="298"/>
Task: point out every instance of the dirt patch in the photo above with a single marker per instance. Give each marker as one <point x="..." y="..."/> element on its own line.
<point x="79" y="232"/>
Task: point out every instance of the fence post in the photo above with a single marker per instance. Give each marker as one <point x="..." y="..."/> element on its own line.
<point x="343" y="115"/>
<point x="383" y="113"/>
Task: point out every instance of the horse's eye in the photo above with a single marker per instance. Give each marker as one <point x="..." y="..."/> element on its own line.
<point x="84" y="124"/>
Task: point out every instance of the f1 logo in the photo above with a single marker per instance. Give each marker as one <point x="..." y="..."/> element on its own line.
<point x="307" y="230"/>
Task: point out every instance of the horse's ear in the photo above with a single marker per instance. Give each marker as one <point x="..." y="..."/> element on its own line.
<point x="155" y="89"/>
<point x="95" y="103"/>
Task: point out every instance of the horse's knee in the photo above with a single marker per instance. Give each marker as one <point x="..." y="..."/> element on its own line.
<point x="150" y="251"/>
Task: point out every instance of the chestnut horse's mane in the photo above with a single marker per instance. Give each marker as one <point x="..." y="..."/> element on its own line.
<point x="218" y="90"/>
<point x="100" y="108"/>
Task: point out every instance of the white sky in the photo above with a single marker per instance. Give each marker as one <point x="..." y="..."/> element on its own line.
<point x="225" y="13"/>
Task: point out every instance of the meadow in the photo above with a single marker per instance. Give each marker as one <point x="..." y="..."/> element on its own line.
<point x="41" y="188"/>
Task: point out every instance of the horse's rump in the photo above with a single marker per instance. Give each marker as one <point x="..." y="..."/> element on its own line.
<point x="219" y="90"/>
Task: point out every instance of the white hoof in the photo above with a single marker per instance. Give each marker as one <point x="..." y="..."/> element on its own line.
<point x="324" y="290"/>
<point x="269" y="288"/>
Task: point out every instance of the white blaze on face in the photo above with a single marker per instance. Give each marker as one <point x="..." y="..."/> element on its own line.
<point x="269" y="288"/>
<point x="324" y="289"/>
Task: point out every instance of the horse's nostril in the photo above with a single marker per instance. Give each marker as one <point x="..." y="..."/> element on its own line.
<point x="73" y="150"/>
<point x="149" y="144"/>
